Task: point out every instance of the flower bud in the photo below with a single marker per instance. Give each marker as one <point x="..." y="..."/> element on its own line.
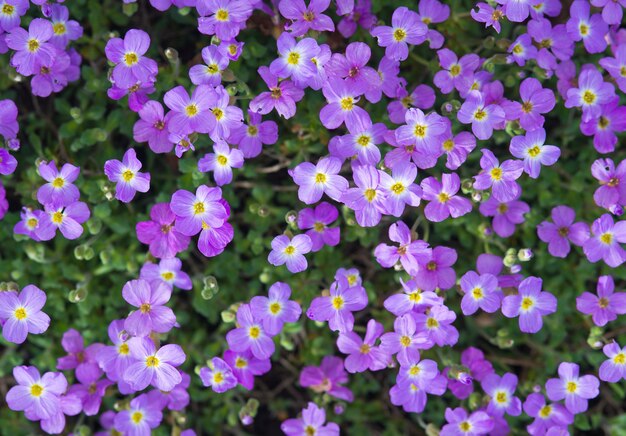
<point x="525" y="254"/>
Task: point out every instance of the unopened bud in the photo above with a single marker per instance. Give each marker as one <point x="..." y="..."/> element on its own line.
<point x="525" y="254"/>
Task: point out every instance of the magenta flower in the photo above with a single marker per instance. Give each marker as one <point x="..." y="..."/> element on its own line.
<point x="406" y="340"/>
<point x="295" y="59"/>
<point x="213" y="240"/>
<point x="177" y="398"/>
<point x="225" y="116"/>
<point x="66" y="219"/>
<point x="304" y="18"/>
<point x="530" y="304"/>
<point x="591" y="29"/>
<point x="603" y="129"/>
<point x="546" y="416"/>
<point x="167" y="271"/>
<point x="474" y="361"/>
<point x="251" y="138"/>
<point x="7" y="162"/>
<point x="501" y="390"/>
<point x="411" y="299"/>
<point x="531" y="148"/>
<point x="409" y="252"/>
<point x="282" y="96"/>
<point x="613" y="369"/>
<point x="342" y="105"/>
<point x="194" y="212"/>
<point x="8" y="119"/>
<point x="221" y="162"/>
<point x="460" y="423"/>
<point x="36" y="395"/>
<point x="315" y="180"/>
<point x="482" y="116"/>
<point x="501" y="178"/>
<point x="191" y="114"/>
<point x="481" y="291"/>
<point x="82" y="360"/>
<point x="554" y="42"/>
<point x="59" y="190"/>
<point x="406" y="28"/>
<point x="152" y="127"/>
<point x="313" y="419"/>
<point x="363" y="354"/>
<point x="337" y="307"/>
<point x="328" y="378"/>
<point x="21" y="313"/>
<point x="592" y="92"/>
<point x="423" y="96"/>
<point x="353" y="67"/>
<point x="442" y="197"/>
<point x="137" y="94"/>
<point x="211" y="72"/>
<point x="32" y="49"/>
<point x="604" y="241"/>
<point x="131" y="66"/>
<point x="142" y="416"/>
<point x="275" y="311"/>
<point x="218" y="375"/>
<point x="562" y="231"/>
<point x="574" y="389"/>
<point x="250" y="335"/>
<point x="367" y="199"/>
<point x="152" y="314"/>
<point x="316" y="222"/>
<point x="456" y="73"/>
<point x="126" y="176"/>
<point x="535" y="101"/>
<point x="435" y="269"/>
<point x="506" y="215"/>
<point x="400" y="188"/>
<point x="606" y="305"/>
<point x="612" y="190"/>
<point x="245" y="367"/>
<point x="223" y="18"/>
<point x="159" y="233"/>
<point x="290" y="251"/>
<point x="154" y="367"/>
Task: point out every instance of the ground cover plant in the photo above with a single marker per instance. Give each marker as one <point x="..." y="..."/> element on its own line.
<point x="312" y="217"/>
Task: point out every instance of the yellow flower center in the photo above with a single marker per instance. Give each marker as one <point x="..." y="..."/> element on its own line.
<point x="308" y="16"/>
<point x="275" y="308"/>
<point x="57" y="217"/>
<point x="415" y="297"/>
<point x="152" y="361"/>
<point x="497" y="15"/>
<point x="59" y="28"/>
<point x="240" y="363"/>
<point x="448" y="144"/>
<point x="363" y="140"/>
<point x="622" y="71"/>
<point x="198" y="208"/>
<point x="370" y="194"/>
<point x="276" y="93"/>
<point x="397" y="188"/>
<point x="33" y="45"/>
<point x="603" y="303"/>
<point x="571" y="387"/>
<point x="589" y="97"/>
<point x="320" y="178"/>
<point x="603" y="122"/>
<point x="407" y="101"/>
<point x="465" y="426"/>
<point x="443" y="197"/>
<point x="8" y="9"/>
<point x="364" y="349"/>
<point x="293" y="58"/>
<point x="131" y="58"/>
<point x="319" y="227"/>
<point x="337" y="302"/>
<point x="502" y="208"/>
<point x="606" y="238"/>
<point x="219" y="114"/>
<point x="212" y="69"/>
<point x="347" y="103"/>
<point x="527" y="303"/>
<point x="167" y="275"/>
<point x="477" y="293"/>
<point x="431" y="266"/>
<point x="222" y="160"/>
<point x="415" y="370"/>
<point x="518" y="49"/>
<point x="309" y="430"/>
<point x="527" y="107"/>
<point x="218" y="378"/>
<point x="36" y="390"/>
<point x="455" y="70"/>
<point x="399" y="35"/>
<point x="619" y="359"/>
<point x="254" y="332"/>
<point x="58" y="182"/>
<point x="128" y="175"/>
<point x="32" y="223"/>
<point x="123" y="349"/>
<point x="290" y="249"/>
<point x="20" y="313"/>
<point x="584" y="29"/>
<point x="136" y="417"/>
<point x="534" y="152"/>
<point x="501" y="397"/>
<point x="145" y="308"/>
<point x="496" y="173"/>
<point x="221" y="14"/>
<point x="253" y="130"/>
<point x="191" y="110"/>
<point x="405" y="341"/>
<point x="432" y="323"/>
<point x="545" y="411"/>
<point x="420" y="130"/>
<point x="480" y="114"/>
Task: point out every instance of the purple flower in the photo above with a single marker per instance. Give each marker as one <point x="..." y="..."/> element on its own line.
<point x="159" y="233"/>
<point x="316" y="222"/>
<point x="137" y="94"/>
<point x="488" y="15"/>
<point x="65" y="30"/>
<point x="290" y="251"/>
<point x="591" y="29"/>
<point x="612" y="191"/>
<point x="213" y="240"/>
<point x="275" y="311"/>
<point x="67" y="219"/>
<point x="223" y="18"/>
<point x="554" y="42"/>
<point x="11" y="12"/>
<point x="90" y="393"/>
<point x="592" y="92"/>
<point x="251" y="138"/>
<point x="295" y="59"/>
<point x="250" y="335"/>
<point x="516" y="10"/>
<point x="7" y="162"/>
<point x="535" y="101"/>
<point x="362" y="142"/>
<point x="400" y="188"/>
<point x="482" y="116"/>
<point x="474" y="361"/>
<point x="218" y="375"/>
<point x="131" y="66"/>
<point x="126" y="176"/>
<point x="459" y="423"/>
<point x="152" y="314"/>
<point x="167" y="271"/>
<point x="30" y="223"/>
<point x="245" y="366"/>
<point x="352" y="67"/>
<point x="422" y="130"/>
<point x="412" y="397"/>
<point x="211" y="72"/>
<point x="152" y="127"/>
<point x="455" y="74"/>
<point x="34" y="394"/>
<point x="142" y="416"/>
<point x="191" y="114"/>
<point x="546" y="415"/>
<point x="522" y="49"/>
<point x="367" y="199"/>
<point x="282" y="96"/>
<point x="405" y="340"/>
<point x="59" y="190"/>
<point x="530" y="304"/>
<point x="315" y="180"/>
<point x="574" y="389"/>
<point x="457" y="148"/>
<point x="328" y="378"/>
<point x="406" y="28"/>
<point x="197" y="212"/>
<point x="21" y="313"/>
<point x="611" y="10"/>
<point x="409" y="252"/>
<point x="501" y="390"/>
<point x="501" y="178"/>
<point x="615" y="65"/>
<point x="613" y="369"/>
<point x="505" y="214"/>
<point x="312" y="421"/>
<point x="82" y="360"/>
<point x="436" y="326"/>
<point x="337" y="307"/>
<point x="115" y="359"/>
<point x="603" y="128"/>
<point x="604" y="242"/>
<point x="531" y="148"/>
<point x="342" y="99"/>
<point x="8" y="119"/>
<point x="304" y="18"/>
<point x="562" y="231"/>
<point x="481" y="291"/>
<point x="226" y="117"/>
<point x="154" y="367"/>
<point x="32" y="49"/>
<point x="412" y="298"/>
<point x="177" y="398"/>
<point x="362" y="353"/>
<point x="221" y="162"/>
<point x="442" y="197"/>
<point x="606" y="305"/>
<point x="435" y="269"/>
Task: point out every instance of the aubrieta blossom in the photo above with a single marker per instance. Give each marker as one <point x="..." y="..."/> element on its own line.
<point x="137" y="94"/>
<point x="533" y="150"/>
<point x="66" y="219"/>
<point x="195" y="212"/>
<point x="224" y="116"/>
<point x="435" y="269"/>
<point x="353" y="67"/>
<point x="591" y="92"/>
<point x="422" y="130"/>
<point x="546" y="415"/>
<point x="363" y="354"/>
<point x="615" y="65"/>
<point x="223" y="18"/>
<point x="341" y="107"/>
<point x="81" y="359"/>
<point x="501" y="390"/>
<point x="604" y="307"/>
<point x="522" y="50"/>
<point x="175" y="399"/>
<point x="131" y="66"/>
<point x="436" y="326"/>
<point x="337" y="307"/>
<point x="115" y="359"/>
<point x="140" y="419"/>
<point x="574" y="389"/>
<point x="327" y="378"/>
<point x="251" y="138"/>
<point x="10" y="13"/>
<point x="167" y="271"/>
<point x="506" y="214"/>
<point x="530" y="304"/>
<point x="90" y="391"/>
<point x="152" y="127"/>
<point x="126" y="176"/>
<point x="476" y="367"/>
<point x="554" y="42"/>
<point x="29" y="223"/>
<point x="312" y="422"/>
<point x="612" y="120"/>
<point x="37" y="395"/>
<point x="221" y="162"/>
<point x="282" y="95"/>
<point x="501" y="178"/>
<point x="151" y="314"/>
<point x="489" y="15"/>
<point x="276" y="309"/>
<point x="422" y="96"/>
<point x="614" y="369"/>
<point x="443" y="199"/>
<point x="8" y="120"/>
<point x="290" y="251"/>
<point x="460" y="423"/>
<point x="190" y="113"/>
<point x="156" y="367"/>
<point x="211" y="72"/>
<point x="60" y="189"/>
<point x="32" y="47"/>
<point x="400" y="188"/>
<point x="535" y="101"/>
<point x="7" y="162"/>
<point x="362" y="142"/>
<point x="64" y="29"/>
<point x="604" y="241"/>
<point x="516" y="10"/>
<point x="316" y="222"/>
<point x="21" y="313"/>
<point x="409" y="253"/>
<point x="457" y="148"/>
<point x="218" y="375"/>
<point x="406" y="340"/>
<point x="482" y="116"/>
<point x="367" y="199"/>
<point x="245" y="367"/>
<point x="250" y="334"/>
<point x="612" y="190"/>
<point x="294" y="58"/>
<point x="562" y="231"/>
<point x="481" y="291"/>
<point x="315" y="180"/>
<point x="456" y="73"/>
<point x="164" y="240"/>
<point x="406" y="28"/>
<point x="304" y="18"/>
<point x="411" y="299"/>
<point x="410" y="390"/>
<point x="591" y="29"/>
